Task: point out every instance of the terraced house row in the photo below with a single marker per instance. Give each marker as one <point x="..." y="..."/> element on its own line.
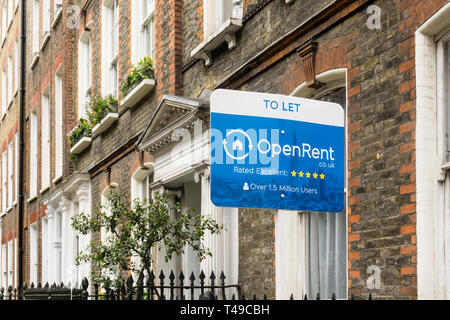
<point x="386" y="62"/>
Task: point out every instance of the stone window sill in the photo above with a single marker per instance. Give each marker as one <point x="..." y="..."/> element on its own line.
<point x="142" y="89"/>
<point x="106" y="122"/>
<point x="57" y="18"/>
<point x="35" y="59"/>
<point x="81" y="145"/>
<point x="45" y="38"/>
<point x="226" y="33"/>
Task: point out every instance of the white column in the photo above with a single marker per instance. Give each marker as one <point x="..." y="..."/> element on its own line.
<point x="50" y="212"/>
<point x="84" y="206"/>
<point x="224" y="246"/>
<point x="66" y="246"/>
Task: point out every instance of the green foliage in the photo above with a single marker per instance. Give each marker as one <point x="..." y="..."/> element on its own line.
<point x="83" y="129"/>
<point x="143" y="70"/>
<point x="99" y="107"/>
<point x="135" y="230"/>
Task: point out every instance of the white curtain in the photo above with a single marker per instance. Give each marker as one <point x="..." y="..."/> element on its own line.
<point x="326" y="254"/>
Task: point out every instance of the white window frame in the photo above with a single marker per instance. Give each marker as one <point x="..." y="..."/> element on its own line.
<point x="4" y="22"/>
<point x="10" y="173"/>
<point x="58" y="125"/>
<point x="110" y="30"/>
<point x="4" y="93"/>
<point x="432" y="174"/>
<point x="10" y="80"/>
<point x="16" y="168"/>
<point x="215" y="14"/>
<point x="45" y="142"/>
<point x="143" y="30"/>
<point x="33" y="154"/>
<point x="84" y="72"/>
<point x="58" y="5"/>
<point x="4" y="180"/>
<point x="16" y="65"/>
<point x="36" y="29"/>
<point x="46" y="17"/>
<point x="10" y="11"/>
<point x="34" y="253"/>
<point x="291" y="227"/>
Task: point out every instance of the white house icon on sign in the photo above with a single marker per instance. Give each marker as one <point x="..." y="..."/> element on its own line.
<point x="237" y="145"/>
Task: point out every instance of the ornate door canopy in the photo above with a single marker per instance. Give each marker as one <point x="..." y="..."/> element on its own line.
<point x="171" y="114"/>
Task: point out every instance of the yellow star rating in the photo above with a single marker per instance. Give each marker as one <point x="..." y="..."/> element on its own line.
<point x="308" y="175"/>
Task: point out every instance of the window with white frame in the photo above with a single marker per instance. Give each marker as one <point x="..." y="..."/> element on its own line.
<point x="10" y="79"/>
<point x="33" y="253"/>
<point x="57" y="7"/>
<point x="46" y="16"/>
<point x="45" y="142"/>
<point x="4" y="93"/>
<point x="447" y="96"/>
<point x="4" y="267"/>
<point x="310" y="247"/>
<point x="10" y="173"/>
<point x="16" y="65"/>
<point x="216" y="13"/>
<point x="58" y="126"/>
<point x="36" y="28"/>
<point x="33" y="154"/>
<point x="10" y="262"/>
<point x="16" y="166"/>
<point x="143" y="30"/>
<point x="4" y="180"/>
<point x="110" y="39"/>
<point x="84" y="73"/>
<point x="4" y="21"/>
<point x="10" y="11"/>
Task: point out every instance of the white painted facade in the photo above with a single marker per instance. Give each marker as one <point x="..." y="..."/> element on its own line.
<point x="432" y="169"/>
<point x="63" y="242"/>
<point x="181" y="167"/>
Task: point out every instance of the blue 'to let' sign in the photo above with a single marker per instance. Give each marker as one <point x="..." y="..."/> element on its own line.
<point x="276" y="152"/>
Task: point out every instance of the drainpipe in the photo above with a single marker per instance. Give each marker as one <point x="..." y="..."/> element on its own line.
<point x="20" y="279"/>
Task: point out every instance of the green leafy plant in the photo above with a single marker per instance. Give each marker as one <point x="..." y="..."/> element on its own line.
<point x="82" y="129"/>
<point x="135" y="231"/>
<point x="143" y="70"/>
<point x="99" y="107"/>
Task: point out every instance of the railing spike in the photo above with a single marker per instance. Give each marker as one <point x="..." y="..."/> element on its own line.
<point x="292" y="297"/>
<point x="333" y="296"/>
<point x="306" y="297"/>
<point x="318" y="296"/>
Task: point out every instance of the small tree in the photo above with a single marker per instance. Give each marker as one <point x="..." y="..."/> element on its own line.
<point x="135" y="230"/>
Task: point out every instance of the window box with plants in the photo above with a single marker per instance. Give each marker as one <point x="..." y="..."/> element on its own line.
<point x="138" y="83"/>
<point x="80" y="136"/>
<point x="102" y="113"/>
